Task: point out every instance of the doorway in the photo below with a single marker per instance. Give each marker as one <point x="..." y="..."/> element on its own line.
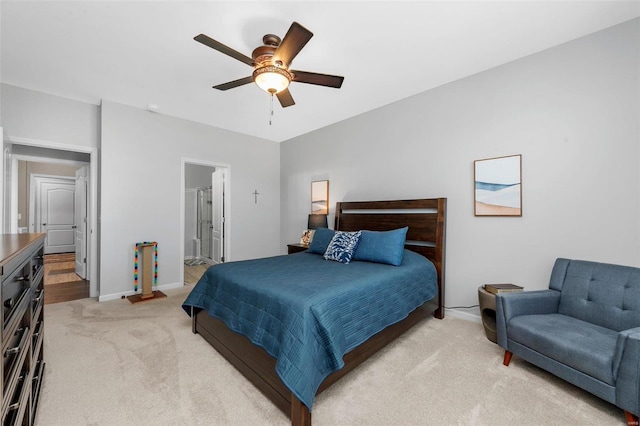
<point x="25" y="157"/>
<point x="205" y="218"/>
<point x="58" y="208"/>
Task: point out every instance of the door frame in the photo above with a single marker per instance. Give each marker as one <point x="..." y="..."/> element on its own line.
<point x="227" y="207"/>
<point x="93" y="228"/>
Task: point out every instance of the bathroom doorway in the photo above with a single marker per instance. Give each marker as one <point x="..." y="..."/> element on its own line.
<point x="205" y="218"/>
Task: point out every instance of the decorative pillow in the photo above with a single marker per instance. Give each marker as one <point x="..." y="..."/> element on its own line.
<point x="342" y="246"/>
<point x="321" y="239"/>
<point x="382" y="247"/>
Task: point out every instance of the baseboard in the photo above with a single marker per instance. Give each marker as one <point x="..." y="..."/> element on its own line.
<point x="473" y="317"/>
<point x="122" y="295"/>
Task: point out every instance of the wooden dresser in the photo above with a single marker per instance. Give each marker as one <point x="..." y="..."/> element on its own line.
<point x="22" y="271"/>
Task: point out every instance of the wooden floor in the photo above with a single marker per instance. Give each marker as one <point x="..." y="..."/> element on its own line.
<point x="61" y="282"/>
<point x="193" y="273"/>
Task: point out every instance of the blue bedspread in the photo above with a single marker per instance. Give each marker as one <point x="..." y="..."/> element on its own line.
<point x="307" y="312"/>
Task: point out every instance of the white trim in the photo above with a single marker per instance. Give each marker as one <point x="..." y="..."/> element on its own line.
<point x="49" y="144"/>
<point x="13" y="224"/>
<point x="92" y="225"/>
<point x="47" y="160"/>
<point x="227" y="207"/>
<point x="2" y="184"/>
<point x="123" y="294"/>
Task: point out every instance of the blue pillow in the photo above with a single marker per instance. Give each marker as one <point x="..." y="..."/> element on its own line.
<point x="321" y="239"/>
<point x="342" y="246"/>
<point x="382" y="247"/>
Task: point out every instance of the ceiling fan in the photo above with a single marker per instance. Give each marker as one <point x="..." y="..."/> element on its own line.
<point x="271" y="63"/>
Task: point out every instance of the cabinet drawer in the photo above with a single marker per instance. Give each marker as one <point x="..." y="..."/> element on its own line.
<point x="13" y="362"/>
<point x="19" y="405"/>
<point x="36" y="385"/>
<point x="37" y="337"/>
<point x="37" y="264"/>
<point x="38" y="301"/>
<point x="21" y="261"/>
<point x="37" y="277"/>
<point x="16" y="315"/>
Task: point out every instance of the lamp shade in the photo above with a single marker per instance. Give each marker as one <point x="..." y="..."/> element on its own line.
<point x="317" y="221"/>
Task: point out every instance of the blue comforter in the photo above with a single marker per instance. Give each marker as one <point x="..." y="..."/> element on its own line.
<point x="307" y="312"/>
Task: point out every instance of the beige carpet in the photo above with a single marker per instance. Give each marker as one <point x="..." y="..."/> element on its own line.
<point x="117" y="363"/>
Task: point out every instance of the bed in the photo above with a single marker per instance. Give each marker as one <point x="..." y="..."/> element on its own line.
<point x="337" y="342"/>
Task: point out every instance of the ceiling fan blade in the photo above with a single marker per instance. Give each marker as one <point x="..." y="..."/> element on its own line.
<point x="285" y="98"/>
<point x="208" y="41"/>
<point x="292" y="43"/>
<point x="234" y="83"/>
<point x="319" y="79"/>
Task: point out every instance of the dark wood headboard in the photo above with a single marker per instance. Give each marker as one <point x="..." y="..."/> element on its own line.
<point x="426" y="219"/>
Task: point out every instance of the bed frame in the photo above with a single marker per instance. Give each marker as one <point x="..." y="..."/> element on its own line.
<point x="426" y="219"/>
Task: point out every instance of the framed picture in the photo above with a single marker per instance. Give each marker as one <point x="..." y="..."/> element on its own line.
<point x="320" y="197"/>
<point x="307" y="236"/>
<point x="498" y="186"/>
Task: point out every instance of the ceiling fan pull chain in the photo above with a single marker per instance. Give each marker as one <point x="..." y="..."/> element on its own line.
<point x="271" y="111"/>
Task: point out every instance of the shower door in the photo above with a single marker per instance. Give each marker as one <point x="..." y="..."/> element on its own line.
<point x="205" y="223"/>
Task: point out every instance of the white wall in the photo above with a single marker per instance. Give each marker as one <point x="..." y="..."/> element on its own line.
<point x="142" y="154"/>
<point x="571" y="111"/>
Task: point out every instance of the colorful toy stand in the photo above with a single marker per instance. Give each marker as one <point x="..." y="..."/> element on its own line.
<point x="149" y="269"/>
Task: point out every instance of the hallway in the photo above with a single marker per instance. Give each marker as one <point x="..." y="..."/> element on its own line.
<point x="61" y="282"/>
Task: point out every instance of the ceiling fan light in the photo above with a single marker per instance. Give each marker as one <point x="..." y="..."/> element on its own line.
<point x="272" y="79"/>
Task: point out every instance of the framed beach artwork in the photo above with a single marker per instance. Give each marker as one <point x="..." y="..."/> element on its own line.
<point x="498" y="186"/>
<point x="320" y="197"/>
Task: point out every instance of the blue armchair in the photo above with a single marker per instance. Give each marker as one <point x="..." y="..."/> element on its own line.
<point x="584" y="329"/>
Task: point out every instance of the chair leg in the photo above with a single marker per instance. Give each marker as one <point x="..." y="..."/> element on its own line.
<point x="507" y="358"/>
<point x="632" y="419"/>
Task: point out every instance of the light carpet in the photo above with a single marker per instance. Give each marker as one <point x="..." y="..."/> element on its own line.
<point x="117" y="363"/>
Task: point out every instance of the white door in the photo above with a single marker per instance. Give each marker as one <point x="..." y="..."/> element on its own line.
<point x="217" y="222"/>
<point x="80" y="221"/>
<point x="56" y="216"/>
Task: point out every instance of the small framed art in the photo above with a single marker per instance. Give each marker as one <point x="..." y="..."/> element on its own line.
<point x="498" y="186"/>
<point x="320" y="197"/>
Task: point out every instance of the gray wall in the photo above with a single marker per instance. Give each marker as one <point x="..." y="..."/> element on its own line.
<point x="39" y="116"/>
<point x="36" y="119"/>
<point x="142" y="187"/>
<point x="571" y="111"/>
<point x="140" y="156"/>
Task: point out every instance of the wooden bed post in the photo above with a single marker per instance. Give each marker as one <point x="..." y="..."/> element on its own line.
<point x="300" y="414"/>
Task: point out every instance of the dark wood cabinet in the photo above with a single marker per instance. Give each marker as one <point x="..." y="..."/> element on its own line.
<point x="22" y="275"/>
<point x="296" y="248"/>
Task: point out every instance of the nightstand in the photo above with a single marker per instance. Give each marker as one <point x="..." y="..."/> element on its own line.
<point x="296" y="248"/>
<point x="488" y="313"/>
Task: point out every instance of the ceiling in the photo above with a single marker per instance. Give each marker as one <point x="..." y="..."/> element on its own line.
<point x="141" y="53"/>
